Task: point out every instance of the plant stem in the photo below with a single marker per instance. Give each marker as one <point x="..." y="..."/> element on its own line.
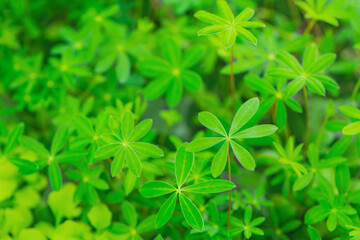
<point x="309" y="27"/>
<point x="355" y="91"/>
<point x="232" y="79"/>
<point x="307" y="109"/>
<point x="230" y="193"/>
<point x="233" y="96"/>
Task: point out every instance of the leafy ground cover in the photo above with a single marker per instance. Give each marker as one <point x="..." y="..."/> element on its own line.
<point x="179" y="119"/>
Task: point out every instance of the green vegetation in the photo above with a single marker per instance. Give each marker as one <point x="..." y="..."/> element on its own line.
<point x="179" y="119"/>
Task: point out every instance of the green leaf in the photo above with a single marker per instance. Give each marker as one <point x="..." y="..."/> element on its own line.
<point x="313" y="233"/>
<point x="211" y="30"/>
<point x="259" y="84"/>
<point x="316" y="214"/>
<point x="211" y="186"/>
<point x="153" y="67"/>
<point x="147" y="149"/>
<point x="282" y="73"/>
<point x="157" y="87"/>
<point x="133" y="161"/>
<point x="209" y="18"/>
<point x="166" y="211"/>
<point x="244" y="114"/>
<point x="140" y="130"/>
<point x="210" y="121"/>
<point x="322" y="62"/>
<point x="350" y="111"/>
<point x="127" y="125"/>
<point x="310" y="56"/>
<point x="183" y="164"/>
<point x="34" y="146"/>
<point x="328" y="82"/>
<point x="105" y="62"/>
<point x="25" y="166"/>
<point x="294" y="86"/>
<point x="13" y="138"/>
<point x="342" y="178"/>
<point x="147" y="225"/>
<point x="243" y="156"/>
<point x="115" y="126"/>
<point x="100" y="216"/>
<point x="315" y="85"/>
<point x="200" y="144"/>
<point x="122" y="67"/>
<point x="303" y="181"/>
<point x="244" y="15"/>
<point x="118" y="162"/>
<point x="70" y="156"/>
<point x="192" y="56"/>
<point x="191" y="80"/>
<point x="98" y="183"/>
<point x="228" y="38"/>
<point x="130" y="181"/>
<point x="55" y="176"/>
<point x="191" y="213"/>
<point x="281" y="114"/>
<point x="159" y="237"/>
<point x="331" y="222"/>
<point x="107" y="150"/>
<point x="225" y="10"/>
<point x="245" y="34"/>
<point x="129" y="214"/>
<point x="289" y="60"/>
<point x="256" y="131"/>
<point x="83" y="125"/>
<point x="219" y="161"/>
<point x="352" y="128"/>
<point x="156" y="188"/>
<point x="174" y="93"/>
<point x="171" y="51"/>
<point x="59" y="139"/>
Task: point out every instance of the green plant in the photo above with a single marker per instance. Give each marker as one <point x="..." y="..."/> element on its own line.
<point x="119" y="120"/>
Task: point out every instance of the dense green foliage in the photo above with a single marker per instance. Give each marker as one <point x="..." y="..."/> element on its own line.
<point x="179" y="119"/>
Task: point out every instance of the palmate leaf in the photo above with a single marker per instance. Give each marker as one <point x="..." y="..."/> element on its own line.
<point x="124" y="145"/>
<point x="242" y="116"/>
<point x="309" y="73"/>
<point x="173" y="73"/>
<point x="227" y="26"/>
